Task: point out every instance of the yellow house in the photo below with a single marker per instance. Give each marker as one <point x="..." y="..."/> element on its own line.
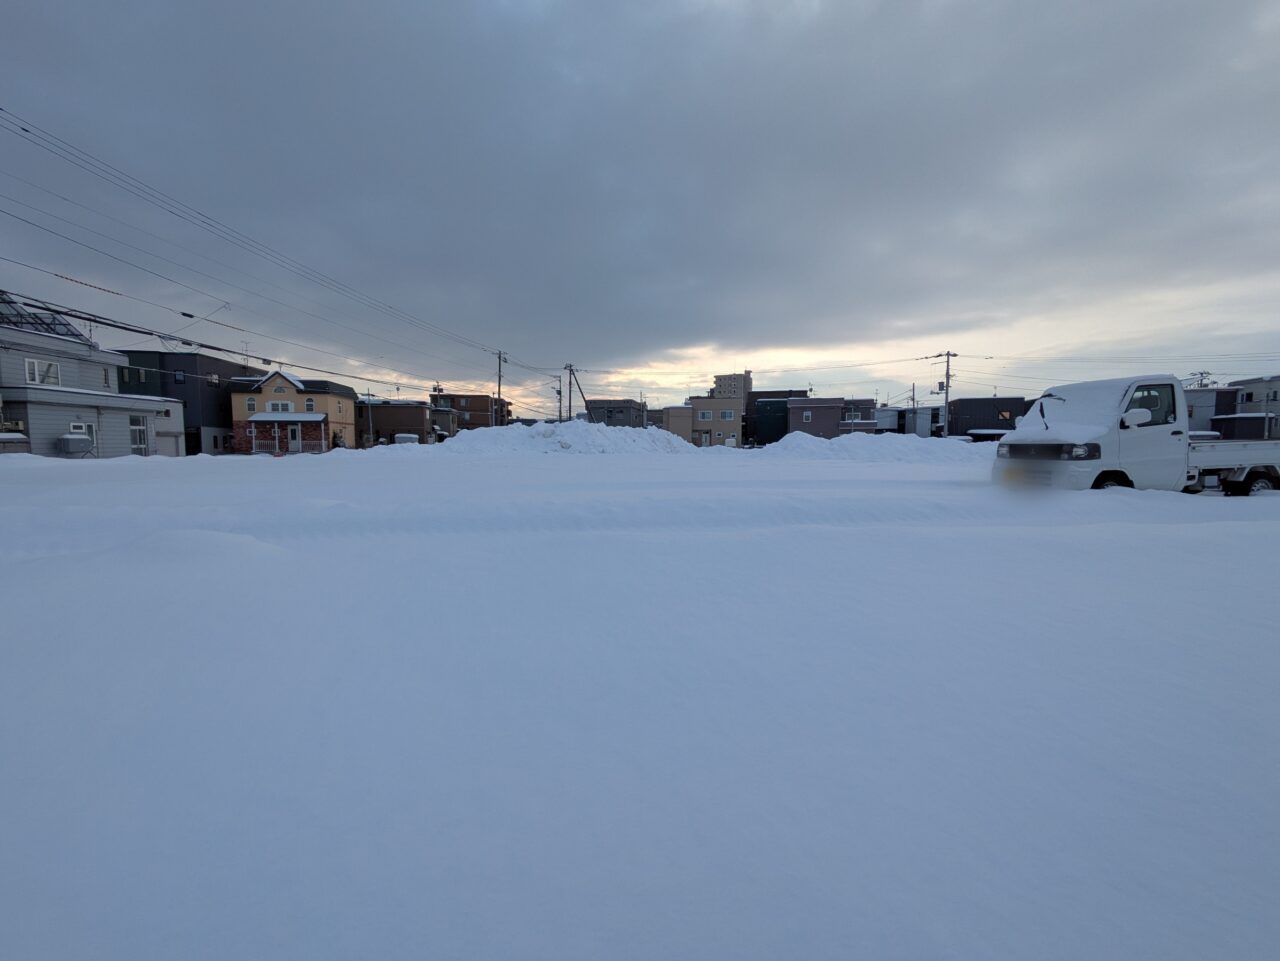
<point x="284" y="414"/>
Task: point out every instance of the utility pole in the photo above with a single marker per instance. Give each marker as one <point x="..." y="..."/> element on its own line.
<point x="559" y="398"/>
<point x="368" y="407"/>
<point x="569" y="368"/>
<point x="944" y="388"/>
<point x="1202" y="378"/>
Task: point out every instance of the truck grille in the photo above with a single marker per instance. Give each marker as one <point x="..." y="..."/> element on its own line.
<point x="1035" y="451"/>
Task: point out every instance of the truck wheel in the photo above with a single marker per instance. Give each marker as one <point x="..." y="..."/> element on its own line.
<point x="1259" y="483"/>
<point x="1107" y="481"/>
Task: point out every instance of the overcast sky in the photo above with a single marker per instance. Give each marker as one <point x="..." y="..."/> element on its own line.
<point x="679" y="184"/>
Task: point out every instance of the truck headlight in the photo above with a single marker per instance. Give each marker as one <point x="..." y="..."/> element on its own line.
<point x="1080" y="452"/>
<point x="1002" y="450"/>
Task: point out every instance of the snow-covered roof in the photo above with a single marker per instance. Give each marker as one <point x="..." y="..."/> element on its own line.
<point x="288" y="416"/>
<point x="11" y="436"/>
<point x="96" y="393"/>
<point x="296" y="381"/>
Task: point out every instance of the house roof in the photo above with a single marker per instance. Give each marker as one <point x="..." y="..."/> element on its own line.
<point x="287" y="417"/>
<point x="253" y="385"/>
<point x="13" y="314"/>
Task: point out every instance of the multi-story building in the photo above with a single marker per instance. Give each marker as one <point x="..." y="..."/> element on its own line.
<point x="475" y="410"/>
<point x="202" y="383"/>
<point x="61" y="391"/>
<point x="732" y="385"/>
<point x="283" y="414"/>
<point x="616" y="413"/>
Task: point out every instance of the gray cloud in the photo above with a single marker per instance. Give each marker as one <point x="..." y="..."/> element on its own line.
<point x="601" y="182"/>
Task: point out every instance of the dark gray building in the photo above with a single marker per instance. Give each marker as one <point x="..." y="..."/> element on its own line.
<point x="819" y="416"/>
<point x="617" y="413"/>
<point x="751" y="433"/>
<point x="201" y="382"/>
<point x="983" y="417"/>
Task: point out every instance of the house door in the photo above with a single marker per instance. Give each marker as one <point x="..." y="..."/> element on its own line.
<point x="295" y="438"/>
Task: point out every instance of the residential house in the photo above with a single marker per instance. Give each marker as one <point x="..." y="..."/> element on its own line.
<point x="379" y="420"/>
<point x="653" y="417"/>
<point x="201" y="382"/>
<point x="679" y="421"/>
<point x="717" y="421"/>
<point x="616" y="413"/>
<point x="984" y="418"/>
<point x="476" y="410"/>
<point x="279" y="413"/>
<point x="1258" y="402"/>
<point x="858" y="416"/>
<point x="819" y="416"/>
<point x="1206" y="403"/>
<point x="61" y="391"/>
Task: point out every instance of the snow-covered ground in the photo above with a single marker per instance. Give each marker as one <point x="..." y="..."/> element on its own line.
<point x="829" y="700"/>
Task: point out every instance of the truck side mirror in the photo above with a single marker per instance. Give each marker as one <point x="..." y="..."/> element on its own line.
<point x="1136" y="417"/>
<point x="1017" y="422"/>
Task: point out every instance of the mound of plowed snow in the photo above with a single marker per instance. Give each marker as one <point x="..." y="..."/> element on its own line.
<point x="570" y="437"/>
<point x="881" y="449"/>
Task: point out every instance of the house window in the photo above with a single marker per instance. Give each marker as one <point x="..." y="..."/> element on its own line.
<point x="704" y="415"/>
<point x="726" y="415"/>
<point x="467" y="417"/>
<point x="462" y="402"/>
<point x="87" y="430"/>
<point x="142" y="376"/>
<point x="807" y="417"/>
<point x="1244" y="398"/>
<point x="44" y="372"/>
<point x="179" y="376"/>
<point x="278" y="390"/>
<point x="212" y="380"/>
<point x="138" y="435"/>
<point x="215" y="441"/>
<point x="280" y="406"/>
<point x="339" y="407"/>
<point x="719" y="433"/>
<point x="310" y="404"/>
<point x="106" y="379"/>
<point x="251" y="404"/>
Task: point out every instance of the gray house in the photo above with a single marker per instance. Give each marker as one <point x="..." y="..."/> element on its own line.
<point x="617" y="413"/>
<point x="60" y="390"/>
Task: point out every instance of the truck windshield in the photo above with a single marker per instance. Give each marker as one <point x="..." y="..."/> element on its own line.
<point x="1077" y="404"/>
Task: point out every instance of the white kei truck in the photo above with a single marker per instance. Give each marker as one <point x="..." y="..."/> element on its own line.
<point x="1129" y="432"/>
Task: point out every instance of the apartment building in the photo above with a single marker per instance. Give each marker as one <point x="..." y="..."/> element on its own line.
<point x="616" y="413"/>
<point x="475" y="410"/>
<point x="203" y="385"/>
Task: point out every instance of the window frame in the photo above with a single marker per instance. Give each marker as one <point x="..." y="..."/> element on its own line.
<point x="32" y="371"/>
<point x="251" y="404"/>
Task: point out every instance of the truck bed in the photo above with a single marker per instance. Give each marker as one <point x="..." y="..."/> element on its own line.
<point x="1216" y="454"/>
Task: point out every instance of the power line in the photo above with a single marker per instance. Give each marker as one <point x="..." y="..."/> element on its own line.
<point x="43" y="139"/>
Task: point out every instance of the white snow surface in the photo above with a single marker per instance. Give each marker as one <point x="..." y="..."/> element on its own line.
<point x="827" y="700"/>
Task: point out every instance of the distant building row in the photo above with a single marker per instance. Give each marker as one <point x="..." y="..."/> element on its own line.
<point x="63" y="395"/>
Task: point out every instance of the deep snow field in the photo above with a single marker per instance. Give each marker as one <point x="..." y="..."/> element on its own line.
<point x="573" y="693"/>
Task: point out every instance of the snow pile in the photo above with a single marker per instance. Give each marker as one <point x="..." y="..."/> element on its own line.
<point x="569" y="437"/>
<point x="881" y="449"/>
<point x="745" y="707"/>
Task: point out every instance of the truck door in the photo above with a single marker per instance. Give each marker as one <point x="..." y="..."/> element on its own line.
<point x="1154" y="455"/>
